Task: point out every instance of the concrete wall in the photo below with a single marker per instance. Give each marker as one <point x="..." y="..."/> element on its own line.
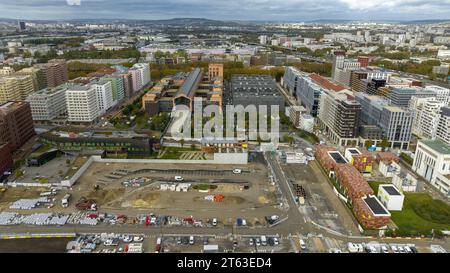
<point x="74" y="178"/>
<point x="219" y="158"/>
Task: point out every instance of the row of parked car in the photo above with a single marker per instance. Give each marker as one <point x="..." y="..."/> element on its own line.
<point x="264" y="241"/>
<point x="382" y="248"/>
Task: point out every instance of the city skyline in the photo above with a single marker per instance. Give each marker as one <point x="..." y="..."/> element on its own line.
<point x="261" y="10"/>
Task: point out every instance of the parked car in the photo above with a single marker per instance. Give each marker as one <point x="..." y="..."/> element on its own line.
<point x="394" y="249"/>
<point x="178" y="240"/>
<point x="191" y="240"/>
<point x="263" y="240"/>
<point x="270" y="241"/>
<point x="127" y="239"/>
<point x="138" y="238"/>
<point x="237" y="171"/>
<point x="179" y="178"/>
<point x="384" y="249"/>
<point x="258" y="242"/>
<point x="302" y="244"/>
<point x="276" y="241"/>
<point x="214" y="222"/>
<point x="185" y="240"/>
<point x="251" y="242"/>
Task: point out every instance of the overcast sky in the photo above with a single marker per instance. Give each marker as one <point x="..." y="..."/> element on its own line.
<point x="286" y="10"/>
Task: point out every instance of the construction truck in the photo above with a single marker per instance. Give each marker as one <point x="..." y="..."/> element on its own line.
<point x="86" y="204"/>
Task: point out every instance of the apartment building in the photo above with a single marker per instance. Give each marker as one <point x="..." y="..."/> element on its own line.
<point x="55" y="72"/>
<point x="442" y="93"/>
<point x="104" y="95"/>
<point x="400" y="96"/>
<point x="37" y="74"/>
<point x="339" y="116"/>
<point x="443" y="127"/>
<point x="306" y="88"/>
<point x="394" y="122"/>
<point x="16" y="124"/>
<point x="140" y="75"/>
<point x="432" y="162"/>
<point x="15" y="87"/>
<point x="82" y="106"/>
<point x="117" y="85"/>
<point x="49" y="103"/>
<point x="429" y="118"/>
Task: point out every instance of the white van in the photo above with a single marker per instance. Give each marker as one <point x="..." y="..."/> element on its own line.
<point x="263" y="240"/>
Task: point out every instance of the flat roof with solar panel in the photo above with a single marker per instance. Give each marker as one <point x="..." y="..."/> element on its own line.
<point x="354" y="151"/>
<point x="375" y="206"/>
<point x="391" y="190"/>
<point x="337" y="157"/>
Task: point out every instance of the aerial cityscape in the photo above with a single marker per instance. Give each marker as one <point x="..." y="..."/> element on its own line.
<point x="225" y="127"/>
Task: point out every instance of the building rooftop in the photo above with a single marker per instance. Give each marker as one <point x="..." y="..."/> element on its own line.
<point x="337" y="157"/>
<point x="191" y="82"/>
<point x="437" y="145"/>
<point x="326" y="83"/>
<point x="375" y="206"/>
<point x="390" y="189"/>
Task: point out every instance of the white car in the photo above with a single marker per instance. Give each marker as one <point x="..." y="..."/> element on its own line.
<point x="302" y="244"/>
<point x="138" y="238"/>
<point x="191" y="240"/>
<point x="127" y="239"/>
<point x="237" y="171"/>
<point x="276" y="241"/>
<point x="251" y="242"/>
<point x="384" y="249"/>
<point x="179" y="178"/>
<point x="214" y="222"/>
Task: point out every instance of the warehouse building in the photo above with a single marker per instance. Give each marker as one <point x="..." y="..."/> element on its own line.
<point x="256" y="90"/>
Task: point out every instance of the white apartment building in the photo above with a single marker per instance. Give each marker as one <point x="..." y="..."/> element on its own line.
<point x="442" y="94"/>
<point x="81" y="102"/>
<point x="140" y="74"/>
<point x="49" y="103"/>
<point x="432" y="161"/>
<point x="429" y="118"/>
<point x="104" y="95"/>
<point x="443" y="127"/>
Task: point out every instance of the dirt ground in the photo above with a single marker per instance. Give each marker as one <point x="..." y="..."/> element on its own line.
<point x="112" y="194"/>
<point x="252" y="203"/>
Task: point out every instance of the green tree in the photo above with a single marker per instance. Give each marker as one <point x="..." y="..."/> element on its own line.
<point x="384" y="144"/>
<point x="368" y="144"/>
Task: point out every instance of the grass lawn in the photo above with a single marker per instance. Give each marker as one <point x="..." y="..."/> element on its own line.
<point x="421" y="213"/>
<point x="374" y="185"/>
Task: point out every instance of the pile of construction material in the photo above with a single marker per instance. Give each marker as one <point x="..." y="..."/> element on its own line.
<point x="29" y="203"/>
<point x="6" y="218"/>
